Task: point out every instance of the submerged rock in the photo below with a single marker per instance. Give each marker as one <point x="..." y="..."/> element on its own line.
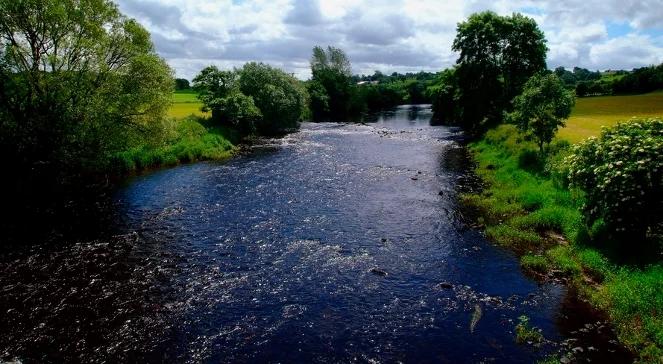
<point x="445" y="285"/>
<point x="378" y="272"/>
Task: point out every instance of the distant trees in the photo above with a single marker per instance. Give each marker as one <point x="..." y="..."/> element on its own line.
<point x="182" y="84"/>
<point x="641" y="80"/>
<point x="542" y="107"/>
<point x="254" y="99"/>
<point x="78" y="82"/>
<point x="498" y="54"/>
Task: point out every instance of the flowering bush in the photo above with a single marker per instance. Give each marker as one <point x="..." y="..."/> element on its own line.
<point x="621" y="173"/>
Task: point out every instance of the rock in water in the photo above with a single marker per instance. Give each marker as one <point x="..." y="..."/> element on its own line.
<point x="378" y="272"/>
<point x="476" y="316"/>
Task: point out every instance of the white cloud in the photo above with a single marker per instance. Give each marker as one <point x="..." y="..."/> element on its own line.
<point x="389" y="35"/>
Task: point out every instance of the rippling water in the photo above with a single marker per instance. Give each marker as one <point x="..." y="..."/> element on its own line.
<point x="328" y="245"/>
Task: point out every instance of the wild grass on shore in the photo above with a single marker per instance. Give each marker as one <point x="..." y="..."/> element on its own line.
<point x="190" y="140"/>
<point x="525" y="208"/>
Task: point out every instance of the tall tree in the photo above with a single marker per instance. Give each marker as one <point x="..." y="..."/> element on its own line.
<point x="78" y="82"/>
<point x="331" y="85"/>
<point x="498" y="54"/>
<point x="542" y="107"/>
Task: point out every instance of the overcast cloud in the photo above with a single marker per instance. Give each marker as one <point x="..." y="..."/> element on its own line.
<point x="389" y="35"/>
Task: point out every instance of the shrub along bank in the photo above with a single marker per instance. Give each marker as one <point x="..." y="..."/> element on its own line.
<point x="528" y="207"/>
<point x="187" y="140"/>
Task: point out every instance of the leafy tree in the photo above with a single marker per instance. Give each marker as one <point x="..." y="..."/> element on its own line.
<point x="78" y="82"/>
<point x="497" y="56"/>
<point x="621" y="173"/>
<point x="331" y="72"/>
<point x="213" y="86"/>
<point x="182" y="84"/>
<point x="256" y="98"/>
<point x="542" y="107"/>
<point x="444" y="93"/>
<point x="281" y="98"/>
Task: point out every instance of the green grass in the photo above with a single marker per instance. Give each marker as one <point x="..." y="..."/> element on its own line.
<point x="526" y="210"/>
<point x="591" y="113"/>
<point x="186" y="103"/>
<point x="190" y="141"/>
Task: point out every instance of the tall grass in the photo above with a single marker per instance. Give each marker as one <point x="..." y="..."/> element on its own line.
<point x="526" y="207"/>
<point x="189" y="140"/>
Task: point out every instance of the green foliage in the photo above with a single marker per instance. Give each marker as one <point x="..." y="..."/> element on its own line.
<point x="621" y="173"/>
<point x="498" y="55"/>
<point x="542" y="107"/>
<point x="188" y="141"/>
<point x="182" y="84"/>
<point x="536" y="263"/>
<point x="522" y="207"/>
<point x="525" y="333"/>
<point x="78" y="83"/>
<point x="634" y="299"/>
<point x="254" y="99"/>
<point x="332" y="84"/>
<point x="280" y="98"/>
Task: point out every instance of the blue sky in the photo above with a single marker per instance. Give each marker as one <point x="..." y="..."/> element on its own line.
<point x="389" y="35"/>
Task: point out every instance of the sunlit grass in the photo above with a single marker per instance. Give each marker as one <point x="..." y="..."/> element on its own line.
<point x="186" y="103"/>
<point x="591" y="113"/>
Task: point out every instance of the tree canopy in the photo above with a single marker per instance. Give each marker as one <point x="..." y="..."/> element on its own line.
<point x="497" y="55"/>
<point x="331" y="88"/>
<point x="78" y="82"/>
<point x="542" y="107"/>
<point x="256" y="98"/>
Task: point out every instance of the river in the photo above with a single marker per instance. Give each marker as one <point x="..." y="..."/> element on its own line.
<point x="328" y="245"/>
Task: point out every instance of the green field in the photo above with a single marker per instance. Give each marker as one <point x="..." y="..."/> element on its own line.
<point x="185" y="103"/>
<point x="591" y="113"/>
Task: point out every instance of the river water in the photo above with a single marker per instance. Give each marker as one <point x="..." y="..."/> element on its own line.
<point x="328" y="245"/>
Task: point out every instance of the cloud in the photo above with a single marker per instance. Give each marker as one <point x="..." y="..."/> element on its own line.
<point x="389" y="35"/>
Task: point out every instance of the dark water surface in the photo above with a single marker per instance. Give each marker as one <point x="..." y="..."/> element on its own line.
<point x="328" y="245"/>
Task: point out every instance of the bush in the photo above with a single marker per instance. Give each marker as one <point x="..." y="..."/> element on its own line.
<point x="621" y="173"/>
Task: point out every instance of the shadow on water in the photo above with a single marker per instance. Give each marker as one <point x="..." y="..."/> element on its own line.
<point x="342" y="242"/>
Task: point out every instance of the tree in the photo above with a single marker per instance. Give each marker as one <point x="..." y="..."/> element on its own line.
<point x="213" y="86"/>
<point x="281" y="98"/>
<point x="182" y="84"/>
<point x="331" y="72"/>
<point x="78" y="82"/>
<point x="542" y="107"/>
<point x="497" y="56"/>
<point x="254" y="99"/>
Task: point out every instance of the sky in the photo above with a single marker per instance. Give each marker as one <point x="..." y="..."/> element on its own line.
<point x="389" y="35"/>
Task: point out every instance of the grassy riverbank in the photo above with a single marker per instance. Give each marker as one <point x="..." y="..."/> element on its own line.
<point x="188" y="140"/>
<point x="525" y="208"/>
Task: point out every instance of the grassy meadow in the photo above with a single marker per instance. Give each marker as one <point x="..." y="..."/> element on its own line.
<point x="591" y="113"/>
<point x="185" y="103"/>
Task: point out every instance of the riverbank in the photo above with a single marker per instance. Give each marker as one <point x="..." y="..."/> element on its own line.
<point x="525" y="207"/>
<point x="189" y="140"/>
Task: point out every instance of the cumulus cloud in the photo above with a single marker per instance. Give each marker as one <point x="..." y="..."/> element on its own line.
<point x="388" y="35"/>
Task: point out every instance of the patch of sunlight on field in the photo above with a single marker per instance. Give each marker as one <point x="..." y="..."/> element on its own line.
<point x="591" y="113"/>
<point x="185" y="103"/>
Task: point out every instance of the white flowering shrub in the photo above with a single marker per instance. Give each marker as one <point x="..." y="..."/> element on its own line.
<point x="621" y="173"/>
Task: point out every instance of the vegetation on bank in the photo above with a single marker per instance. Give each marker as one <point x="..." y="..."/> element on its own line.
<point x="190" y="139"/>
<point x="527" y="207"/>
